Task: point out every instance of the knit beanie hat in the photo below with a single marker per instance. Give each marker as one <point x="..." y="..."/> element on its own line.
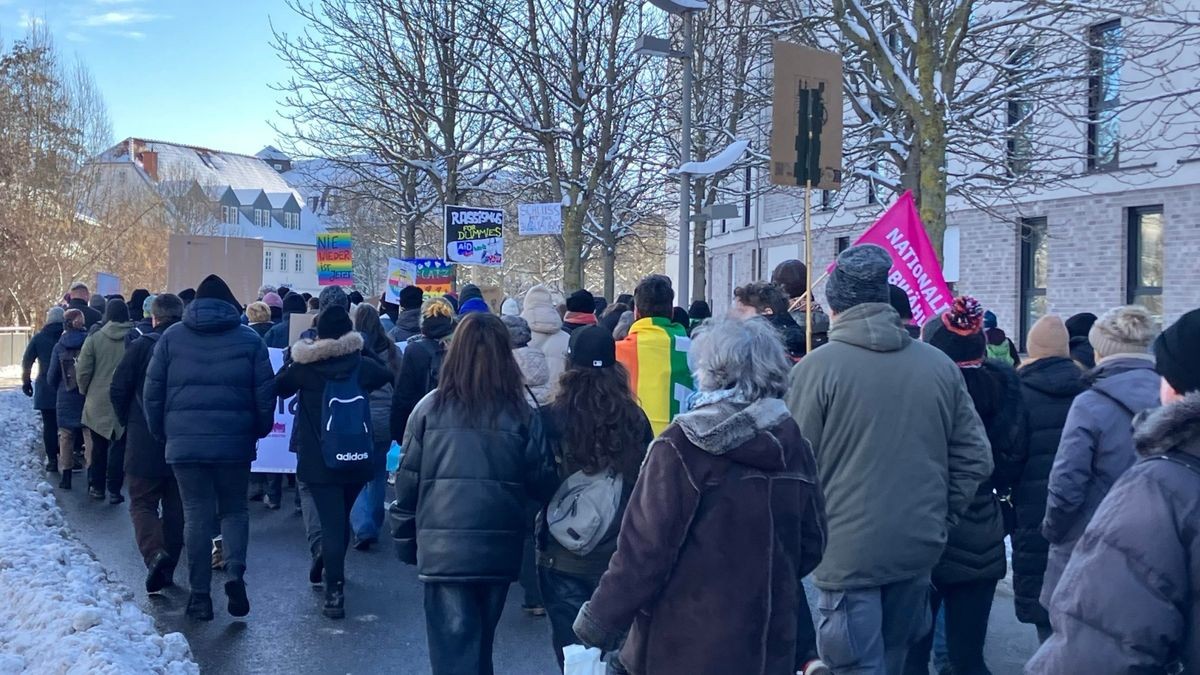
<point x="97" y="302"/>
<point x="510" y="307"/>
<point x="581" y="301"/>
<point x="1080" y="324"/>
<point x="1048" y="338"/>
<point x="990" y="320"/>
<point x="469" y="291"/>
<point x="1177" y="353"/>
<point x="601" y="305"/>
<point x="1122" y="330"/>
<point x="592" y="347"/>
<point x="518" y="330"/>
<point x="116" y="311"/>
<point x="146" y="305"/>
<point x="333" y="295"/>
<point x="898" y="299"/>
<point x="411" y="297"/>
<point x="215" y="287"/>
<point x="452" y="300"/>
<point x="333" y="322"/>
<point x="187" y="295"/>
<point x="55" y="315"/>
<point x="137" y="304"/>
<point x="859" y="276"/>
<point x="272" y="299"/>
<point x="959" y="332"/>
<point x="294" y="304"/>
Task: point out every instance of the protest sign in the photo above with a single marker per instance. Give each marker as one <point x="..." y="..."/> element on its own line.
<point x="273" y="453"/>
<point x="400" y="274"/>
<point x="238" y="261"/>
<point x="538" y="219"/>
<point x="474" y="235"/>
<point x="107" y="284"/>
<point x="915" y="267"/>
<point x="335" y="266"/>
<point x="806" y="136"/>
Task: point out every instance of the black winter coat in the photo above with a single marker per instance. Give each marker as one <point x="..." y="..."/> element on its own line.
<point x="90" y="316"/>
<point x="40" y="348"/>
<point x="461" y="491"/>
<point x="975" y="546"/>
<point x="1048" y="387"/>
<point x="145" y="456"/>
<point x="210" y="390"/>
<point x="416" y="379"/>
<point x="68" y="403"/>
<point x="408" y="325"/>
<point x="1082" y="352"/>
<point x="313" y="364"/>
<point x="143" y="327"/>
<point x="262" y="328"/>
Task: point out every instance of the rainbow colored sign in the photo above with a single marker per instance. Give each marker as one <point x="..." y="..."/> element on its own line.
<point x="335" y="266"/>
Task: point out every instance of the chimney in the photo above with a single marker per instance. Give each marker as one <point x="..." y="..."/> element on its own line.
<point x="150" y="164"/>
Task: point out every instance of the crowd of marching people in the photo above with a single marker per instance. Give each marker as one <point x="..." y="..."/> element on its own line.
<point x="661" y="480"/>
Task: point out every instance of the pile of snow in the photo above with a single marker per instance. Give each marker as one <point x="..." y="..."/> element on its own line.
<point x="61" y="613"/>
<point x="12" y="372"/>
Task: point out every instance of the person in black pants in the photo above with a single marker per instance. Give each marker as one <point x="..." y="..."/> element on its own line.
<point x="474" y="452"/>
<point x="336" y="354"/>
<point x="40" y="349"/>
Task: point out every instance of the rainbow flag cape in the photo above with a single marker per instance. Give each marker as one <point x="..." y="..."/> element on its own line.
<point x="656" y="355"/>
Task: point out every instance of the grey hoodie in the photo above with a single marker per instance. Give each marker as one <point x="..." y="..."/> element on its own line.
<point x="900" y="449"/>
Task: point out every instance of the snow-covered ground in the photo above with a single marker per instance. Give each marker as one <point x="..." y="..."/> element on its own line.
<point x="60" y="612"/>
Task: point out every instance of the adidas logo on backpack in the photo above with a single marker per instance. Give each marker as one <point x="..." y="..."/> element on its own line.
<point x="346" y="442"/>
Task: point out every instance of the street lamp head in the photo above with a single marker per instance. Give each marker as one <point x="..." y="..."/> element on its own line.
<point x="648" y="45"/>
<point x="680" y="6"/>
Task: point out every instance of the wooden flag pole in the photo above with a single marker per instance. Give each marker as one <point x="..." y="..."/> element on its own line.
<point x="808" y="320"/>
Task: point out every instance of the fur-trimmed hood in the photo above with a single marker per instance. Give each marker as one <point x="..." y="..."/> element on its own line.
<point x="1174" y="427"/>
<point x="726" y="428"/>
<point x="312" y="351"/>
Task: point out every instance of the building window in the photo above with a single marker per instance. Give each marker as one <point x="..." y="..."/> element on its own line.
<point x="1020" y="149"/>
<point x="1035" y="257"/>
<point x="267" y="260"/>
<point x="872" y="190"/>
<point x="262" y="217"/>
<point x="299" y="263"/>
<point x="1104" y="95"/>
<point x="229" y="214"/>
<point x="1145" y="261"/>
<point x="840" y="244"/>
<point x="826" y="200"/>
<point x="283" y="261"/>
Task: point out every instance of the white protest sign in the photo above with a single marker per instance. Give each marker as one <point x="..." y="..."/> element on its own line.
<point x="401" y="273"/>
<point x="273" y="453"/>
<point x="536" y="219"/>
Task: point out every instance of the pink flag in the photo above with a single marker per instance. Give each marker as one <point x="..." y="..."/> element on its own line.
<point x="915" y="266"/>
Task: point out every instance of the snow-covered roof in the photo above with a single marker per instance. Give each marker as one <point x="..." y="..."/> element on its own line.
<point x="280" y="199"/>
<point x="204" y="165"/>
<point x="272" y="153"/>
<point x="310" y="224"/>
<point x="247" y="197"/>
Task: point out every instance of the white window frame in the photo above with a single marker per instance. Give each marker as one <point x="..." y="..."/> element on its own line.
<point x="283" y="261"/>
<point x="299" y="262"/>
<point x="267" y="260"/>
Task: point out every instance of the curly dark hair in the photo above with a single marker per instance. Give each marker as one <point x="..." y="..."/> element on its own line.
<point x="604" y="427"/>
<point x="762" y="296"/>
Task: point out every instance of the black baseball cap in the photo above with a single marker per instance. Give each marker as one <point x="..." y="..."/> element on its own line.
<point x="592" y="347"/>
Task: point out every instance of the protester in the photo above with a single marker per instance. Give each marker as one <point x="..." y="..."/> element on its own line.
<point x="275" y="303"/>
<point x="999" y="347"/>
<point x="97" y="362"/>
<point x="1129" y="601"/>
<point x="142" y="323"/>
<point x="473" y="453"/>
<point x="277" y="337"/>
<point x="355" y="298"/>
<point x="421" y="366"/>
<point x="388" y="313"/>
<point x="1078" y="327"/>
<point x="612" y="316"/>
<point x="210" y="395"/>
<point x="510" y="307"/>
<point x="698" y="312"/>
<point x="137" y="300"/>
<point x="621" y="330"/>
<point x="534" y="368"/>
<point x="259" y="316"/>
<point x="154" y="503"/>
<point x="595" y="428"/>
<point x="601" y="305"/>
<point x="314" y="304"/>
<point x="704" y="579"/>
<point x="965" y="578"/>
<point x="408" y="321"/>
<point x="187" y="295"/>
<point x="1097" y="439"/>
<point x="791" y="276"/>
<point x="680" y="316"/>
<point x="581" y="311"/>
<point x="263" y="290"/>
<point x="471" y="301"/>
<point x="335" y="355"/>
<point x="41" y="350"/>
<point x="1050" y="381"/>
<point x="546" y="328"/>
<point x="626" y="299"/>
<point x="764" y="300"/>
<point x="78" y="299"/>
<point x="898" y="299"/>
<point x="99" y="303"/>
<point x="452" y="300"/>
<point x="366" y="517"/>
<point x="68" y="401"/>
<point x="656" y="353"/>
<point x="895" y="482"/>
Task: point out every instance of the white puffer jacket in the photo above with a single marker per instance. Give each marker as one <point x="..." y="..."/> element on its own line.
<point x="548" y="335"/>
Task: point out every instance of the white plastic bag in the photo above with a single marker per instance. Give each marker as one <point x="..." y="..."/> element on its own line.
<point x="580" y="660"/>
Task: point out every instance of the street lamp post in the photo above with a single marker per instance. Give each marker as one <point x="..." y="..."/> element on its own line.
<point x="686" y="10"/>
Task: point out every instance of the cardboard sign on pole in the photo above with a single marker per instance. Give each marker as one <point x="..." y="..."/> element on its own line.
<point x="238" y="261"/>
<point x="806" y="131"/>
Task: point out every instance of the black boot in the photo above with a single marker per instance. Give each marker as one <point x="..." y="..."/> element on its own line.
<point x="235" y="590"/>
<point x="64" y="480"/>
<point x="335" y="600"/>
<point x="316" y="569"/>
<point x="199" y="607"/>
<point x="157" y="574"/>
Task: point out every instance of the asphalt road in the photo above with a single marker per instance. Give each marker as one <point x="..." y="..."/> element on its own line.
<point x="385" y="626"/>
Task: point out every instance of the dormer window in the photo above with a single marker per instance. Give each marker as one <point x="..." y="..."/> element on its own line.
<point x="291" y="220"/>
<point x="229" y="214"/>
<point x="262" y="217"/>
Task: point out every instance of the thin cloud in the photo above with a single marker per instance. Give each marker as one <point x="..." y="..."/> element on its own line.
<point x="28" y="20"/>
<point x="134" y="34"/>
<point x="118" y="18"/>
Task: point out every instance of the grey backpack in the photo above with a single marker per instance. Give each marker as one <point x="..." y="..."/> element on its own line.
<point x="583" y="509"/>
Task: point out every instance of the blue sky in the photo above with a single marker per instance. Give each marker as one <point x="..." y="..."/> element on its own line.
<point x="190" y="71"/>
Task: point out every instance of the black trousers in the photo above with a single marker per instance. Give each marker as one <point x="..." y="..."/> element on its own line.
<point x="50" y="435"/>
<point x="115" y="472"/>
<point x="333" y="502"/>
<point x="460" y="622"/>
<point x="563" y="595"/>
<point x="157" y="513"/>
<point x="97" y="461"/>
<point x="968" y="607"/>
<point x="806" y="631"/>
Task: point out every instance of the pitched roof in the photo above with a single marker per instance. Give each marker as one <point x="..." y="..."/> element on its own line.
<point x="177" y="161"/>
<point x="271" y="153"/>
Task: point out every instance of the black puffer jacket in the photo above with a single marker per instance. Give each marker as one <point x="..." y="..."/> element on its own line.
<point x="210" y="390"/>
<point x="1129" y="601"/>
<point x="461" y="490"/>
<point x="68" y="403"/>
<point x="40" y="349"/>
<point x="422" y="360"/>
<point x="144" y="455"/>
<point x="1048" y="387"/>
<point x="313" y="364"/>
<point x="408" y="325"/>
<point x="975" y="547"/>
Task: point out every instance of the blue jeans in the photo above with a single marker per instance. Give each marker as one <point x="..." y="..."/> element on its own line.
<point x="366" y="518"/>
<point x="868" y="631"/>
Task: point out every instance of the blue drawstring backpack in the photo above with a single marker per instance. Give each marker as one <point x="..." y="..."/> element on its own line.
<point x="345" y="424"/>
